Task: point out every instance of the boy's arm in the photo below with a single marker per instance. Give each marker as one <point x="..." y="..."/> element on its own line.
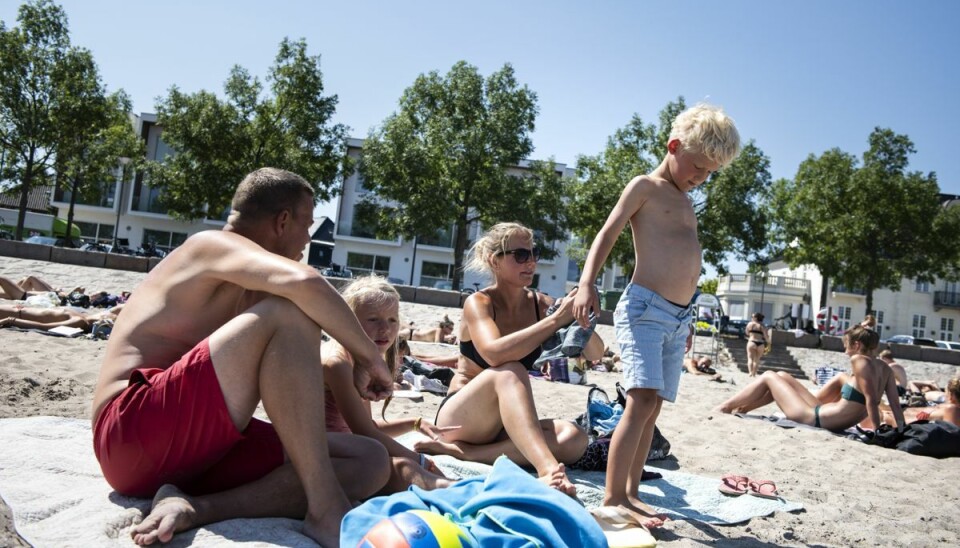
<point x="631" y="200"/>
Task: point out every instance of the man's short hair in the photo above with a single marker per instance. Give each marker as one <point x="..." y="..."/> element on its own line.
<point x="707" y="130"/>
<point x="268" y="191"/>
<point x="886" y="354"/>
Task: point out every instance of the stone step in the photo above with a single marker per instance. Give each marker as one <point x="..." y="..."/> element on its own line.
<point x="779" y="359"/>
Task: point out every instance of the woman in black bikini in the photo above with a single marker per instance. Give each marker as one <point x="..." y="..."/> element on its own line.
<point x="501" y="332"/>
<point x="859" y="396"/>
<point x="756" y="343"/>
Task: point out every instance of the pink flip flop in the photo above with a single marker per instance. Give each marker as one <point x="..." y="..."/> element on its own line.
<point x="734" y="485"/>
<point x="764" y="488"/>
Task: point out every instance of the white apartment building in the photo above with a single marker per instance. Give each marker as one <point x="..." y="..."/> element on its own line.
<point x="919" y="309"/>
<point x="428" y="260"/>
<point x="130" y="204"/>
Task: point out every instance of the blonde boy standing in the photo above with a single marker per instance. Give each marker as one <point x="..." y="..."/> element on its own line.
<point x="653" y="316"/>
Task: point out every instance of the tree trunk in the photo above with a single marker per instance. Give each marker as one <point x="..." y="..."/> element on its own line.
<point x="824" y="286"/>
<point x="25" y="185"/>
<point x="458" y="249"/>
<point x="68" y="237"/>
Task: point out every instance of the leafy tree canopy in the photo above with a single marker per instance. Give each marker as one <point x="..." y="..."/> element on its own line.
<point x="450" y="156"/>
<point x="34" y="61"/>
<point x="866" y="226"/>
<point x="218" y="141"/>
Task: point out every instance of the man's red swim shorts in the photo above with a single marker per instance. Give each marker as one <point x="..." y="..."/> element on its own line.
<point x="172" y="426"/>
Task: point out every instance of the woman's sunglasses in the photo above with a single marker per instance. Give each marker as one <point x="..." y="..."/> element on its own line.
<point x="522" y="254"/>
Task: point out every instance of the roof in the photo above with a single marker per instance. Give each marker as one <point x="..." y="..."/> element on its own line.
<point x="38" y="200"/>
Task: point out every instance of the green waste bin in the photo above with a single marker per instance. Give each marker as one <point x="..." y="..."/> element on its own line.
<point x="609" y="299"/>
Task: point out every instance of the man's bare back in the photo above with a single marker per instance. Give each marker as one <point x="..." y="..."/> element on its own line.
<point x="665" y="240"/>
<point x="181" y="302"/>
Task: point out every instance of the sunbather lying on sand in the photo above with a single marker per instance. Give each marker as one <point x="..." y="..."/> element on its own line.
<point x="28" y="287"/>
<point x="443" y="333"/>
<point x="859" y="395"/>
<point x="948" y="411"/>
<point x="377" y="305"/>
<point x="702" y="367"/>
<point x="26" y="317"/>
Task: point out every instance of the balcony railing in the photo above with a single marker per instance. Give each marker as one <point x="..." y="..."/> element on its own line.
<point x="848" y="290"/>
<point x="949" y="299"/>
<point x="746" y="283"/>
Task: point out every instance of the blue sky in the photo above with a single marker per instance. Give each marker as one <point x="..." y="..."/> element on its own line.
<point x="798" y="77"/>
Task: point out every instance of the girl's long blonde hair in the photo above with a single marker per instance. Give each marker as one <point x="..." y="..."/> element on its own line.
<point x="376" y="291"/>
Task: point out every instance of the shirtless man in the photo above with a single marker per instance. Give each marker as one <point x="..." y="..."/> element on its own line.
<point x="230" y="319"/>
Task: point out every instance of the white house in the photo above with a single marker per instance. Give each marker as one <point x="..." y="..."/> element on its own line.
<point x="130" y="204"/>
<point x="920" y="309"/>
<point x="428" y="260"/>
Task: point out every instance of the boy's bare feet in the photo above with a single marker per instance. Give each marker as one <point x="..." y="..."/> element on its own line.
<point x="172" y="511"/>
<point x="646" y="509"/>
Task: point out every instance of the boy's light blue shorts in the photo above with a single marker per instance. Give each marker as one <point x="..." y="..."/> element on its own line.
<point x="652" y="333"/>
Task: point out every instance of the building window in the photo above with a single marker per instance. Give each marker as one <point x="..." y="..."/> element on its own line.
<point x="162" y="239"/>
<point x="360" y="263"/>
<point x="736" y="310"/>
<point x="844" y="313"/>
<point x="919" y="324"/>
<point x="946" y="329"/>
<point x="879" y="316"/>
<point x="436" y="275"/>
<point x="923" y="287"/>
<point x="441" y="238"/>
<point x="95" y="232"/>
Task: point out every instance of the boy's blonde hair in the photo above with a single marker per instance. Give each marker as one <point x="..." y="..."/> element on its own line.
<point x="492" y="243"/>
<point x="707" y="130"/>
<point x="377" y="291"/>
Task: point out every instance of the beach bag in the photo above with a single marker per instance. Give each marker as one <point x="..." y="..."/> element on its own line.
<point x="938" y="439"/>
<point x="78" y="299"/>
<point x="825" y="373"/>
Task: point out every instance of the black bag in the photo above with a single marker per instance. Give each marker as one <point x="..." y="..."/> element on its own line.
<point x="78" y="299"/>
<point x="938" y="439"/>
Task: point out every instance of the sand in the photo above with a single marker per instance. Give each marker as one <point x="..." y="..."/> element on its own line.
<point x="853" y="494"/>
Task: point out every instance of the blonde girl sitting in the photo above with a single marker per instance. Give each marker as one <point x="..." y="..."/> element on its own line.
<point x="377" y="306"/>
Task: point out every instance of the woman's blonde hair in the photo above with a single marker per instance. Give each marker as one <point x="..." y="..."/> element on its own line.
<point x="492" y="243"/>
<point x="953" y="387"/>
<point x="375" y="291"/>
<point x="446" y="322"/>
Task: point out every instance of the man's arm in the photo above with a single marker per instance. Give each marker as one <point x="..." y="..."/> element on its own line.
<point x="631" y="200"/>
<point x="238" y="260"/>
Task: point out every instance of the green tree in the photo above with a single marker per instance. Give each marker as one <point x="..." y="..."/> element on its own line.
<point x="868" y="226"/>
<point x="219" y="141"/>
<point x="729" y="206"/>
<point x="444" y="159"/>
<point x="35" y="61"/>
<point x="97" y="132"/>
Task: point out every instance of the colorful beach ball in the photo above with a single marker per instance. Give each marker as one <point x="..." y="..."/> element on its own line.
<point x="414" y="529"/>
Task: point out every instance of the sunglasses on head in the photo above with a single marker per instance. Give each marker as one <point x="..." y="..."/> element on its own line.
<point x="522" y="254"/>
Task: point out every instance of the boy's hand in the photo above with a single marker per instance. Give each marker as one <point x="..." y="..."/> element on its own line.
<point x="585" y="301"/>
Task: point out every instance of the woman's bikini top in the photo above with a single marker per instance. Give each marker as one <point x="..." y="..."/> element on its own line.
<point x="849" y="393"/>
<point x="468" y="350"/>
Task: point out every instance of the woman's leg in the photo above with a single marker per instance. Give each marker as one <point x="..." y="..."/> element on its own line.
<point x="33" y="283"/>
<point x="566" y="441"/>
<point x="500" y="398"/>
<point x="10" y="290"/>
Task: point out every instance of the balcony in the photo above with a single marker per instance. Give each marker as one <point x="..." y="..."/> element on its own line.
<point x="946" y="299"/>
<point x="771" y="285"/>
<point x="849" y="290"/>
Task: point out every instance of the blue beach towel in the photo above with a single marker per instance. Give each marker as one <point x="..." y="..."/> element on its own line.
<point x="508" y="508"/>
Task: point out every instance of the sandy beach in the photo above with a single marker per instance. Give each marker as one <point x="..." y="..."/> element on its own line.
<point x="853" y="494"/>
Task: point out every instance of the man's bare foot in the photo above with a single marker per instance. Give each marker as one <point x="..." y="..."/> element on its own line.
<point x="325" y="530"/>
<point x="172" y="511"/>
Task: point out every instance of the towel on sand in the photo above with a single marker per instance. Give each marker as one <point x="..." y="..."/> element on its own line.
<point x="58" y="497"/>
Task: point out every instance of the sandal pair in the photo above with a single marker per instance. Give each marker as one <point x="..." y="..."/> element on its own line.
<point x="735" y="486"/>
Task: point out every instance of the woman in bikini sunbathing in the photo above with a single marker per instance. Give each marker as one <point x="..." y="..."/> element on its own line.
<point x="443" y="333"/>
<point x="26" y="317"/>
<point x="756" y="343"/>
<point x="948" y="411"/>
<point x="501" y="334"/>
<point x="859" y="397"/>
